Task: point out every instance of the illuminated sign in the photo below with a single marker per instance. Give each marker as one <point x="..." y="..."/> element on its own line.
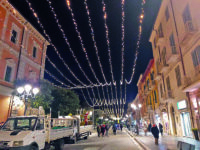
<point x="182" y="104"/>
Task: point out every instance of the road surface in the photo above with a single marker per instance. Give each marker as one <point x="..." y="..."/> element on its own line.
<point x="121" y="141"/>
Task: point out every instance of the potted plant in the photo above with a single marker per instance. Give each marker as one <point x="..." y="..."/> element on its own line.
<point x="195" y="131"/>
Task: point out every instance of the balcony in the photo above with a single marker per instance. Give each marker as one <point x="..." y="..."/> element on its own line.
<point x="172" y="56"/>
<point x="157" y="76"/>
<point x="192" y="81"/>
<point x="190" y="29"/>
<point x="146" y="91"/>
<point x="169" y="95"/>
<point x="159" y="39"/>
<point x="163" y="67"/>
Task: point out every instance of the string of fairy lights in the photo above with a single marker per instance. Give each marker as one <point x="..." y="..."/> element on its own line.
<point x="138" y="42"/>
<point x="66" y="39"/>
<point x="114" y="105"/>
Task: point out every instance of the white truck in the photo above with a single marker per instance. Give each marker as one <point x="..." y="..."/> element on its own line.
<point x="37" y="132"/>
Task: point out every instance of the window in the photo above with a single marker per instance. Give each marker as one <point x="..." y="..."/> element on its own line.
<point x="148" y="83"/>
<point x="14" y="36"/>
<point x="164" y="56"/>
<point x="150" y="100"/>
<point x="196" y="56"/>
<point x="155" y="97"/>
<point x="8" y="73"/>
<point x="40" y="124"/>
<point x="168" y="84"/>
<point x="178" y="76"/>
<point x="187" y="19"/>
<point x="157" y="65"/>
<point x="167" y="14"/>
<point x="161" y="90"/>
<point x="34" y="52"/>
<point x="172" y="44"/>
<point x="154" y="42"/>
<point x="160" y="31"/>
<point x="152" y="76"/>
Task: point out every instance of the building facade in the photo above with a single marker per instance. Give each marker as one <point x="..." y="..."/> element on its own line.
<point x="175" y="41"/>
<point x="148" y="94"/>
<point x="22" y="55"/>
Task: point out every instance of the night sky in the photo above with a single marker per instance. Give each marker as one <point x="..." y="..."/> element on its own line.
<point x="113" y="8"/>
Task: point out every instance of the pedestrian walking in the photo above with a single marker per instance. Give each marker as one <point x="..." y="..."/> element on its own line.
<point x="137" y="129"/>
<point x="102" y="130"/>
<point x="161" y="128"/>
<point x="114" y="129"/>
<point x="149" y="127"/>
<point x="99" y="130"/>
<point x="155" y="132"/>
<point x="107" y="129"/>
<point x="145" y="129"/>
<point x="121" y="127"/>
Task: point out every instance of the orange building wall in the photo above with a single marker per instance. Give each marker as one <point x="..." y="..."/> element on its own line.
<point x="4" y="101"/>
<point x="2" y="18"/>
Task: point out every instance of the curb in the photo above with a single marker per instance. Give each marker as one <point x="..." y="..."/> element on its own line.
<point x="139" y="142"/>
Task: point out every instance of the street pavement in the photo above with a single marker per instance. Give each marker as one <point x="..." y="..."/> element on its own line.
<point x="166" y="142"/>
<point x="121" y="141"/>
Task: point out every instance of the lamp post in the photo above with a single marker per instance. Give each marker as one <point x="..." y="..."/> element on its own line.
<point x="27" y="91"/>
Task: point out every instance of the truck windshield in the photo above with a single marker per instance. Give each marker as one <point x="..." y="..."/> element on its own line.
<point x="19" y="124"/>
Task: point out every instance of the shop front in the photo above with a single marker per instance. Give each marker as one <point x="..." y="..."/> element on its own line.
<point x="185" y="118"/>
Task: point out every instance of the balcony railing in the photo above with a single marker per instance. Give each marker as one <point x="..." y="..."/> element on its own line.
<point x="157" y="76"/>
<point x="190" y="30"/>
<point x="163" y="67"/>
<point x="152" y="85"/>
<point x="159" y="38"/>
<point x="172" y="55"/>
<point x="192" y="80"/>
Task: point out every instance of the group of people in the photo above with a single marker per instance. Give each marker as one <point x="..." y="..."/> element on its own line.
<point x="103" y="129"/>
<point x="154" y="130"/>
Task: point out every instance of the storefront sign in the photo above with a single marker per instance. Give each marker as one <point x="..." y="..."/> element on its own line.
<point x="182" y="104"/>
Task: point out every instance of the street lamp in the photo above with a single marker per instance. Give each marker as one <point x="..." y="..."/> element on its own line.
<point x="27" y="91"/>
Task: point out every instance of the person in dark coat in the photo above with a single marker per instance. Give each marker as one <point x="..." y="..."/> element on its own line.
<point x="161" y="128"/>
<point x="107" y="129"/>
<point x="121" y="127"/>
<point x="99" y="130"/>
<point x="114" y="129"/>
<point x="149" y="127"/>
<point x="155" y="132"/>
<point x="102" y="130"/>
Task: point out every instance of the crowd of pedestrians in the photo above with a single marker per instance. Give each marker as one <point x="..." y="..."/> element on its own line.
<point x="102" y="130"/>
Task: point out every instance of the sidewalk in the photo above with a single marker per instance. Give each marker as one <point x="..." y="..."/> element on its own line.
<point x="166" y="142"/>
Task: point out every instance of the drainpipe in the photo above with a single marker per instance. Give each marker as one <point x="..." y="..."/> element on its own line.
<point x="20" y="52"/>
<point x="181" y="56"/>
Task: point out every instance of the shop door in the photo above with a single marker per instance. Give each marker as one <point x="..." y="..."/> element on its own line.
<point x="186" y="124"/>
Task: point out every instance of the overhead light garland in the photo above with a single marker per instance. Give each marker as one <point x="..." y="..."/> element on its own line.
<point x="94" y="41"/>
<point x="49" y="40"/>
<point x="60" y="71"/>
<point x="67" y="42"/>
<point x="82" y="44"/>
<point x="108" y="41"/>
<point x="141" y="17"/>
<point x="123" y="36"/>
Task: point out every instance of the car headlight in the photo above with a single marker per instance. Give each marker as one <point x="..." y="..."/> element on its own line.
<point x="18" y="143"/>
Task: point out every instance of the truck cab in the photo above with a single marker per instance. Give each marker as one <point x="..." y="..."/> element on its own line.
<point x="24" y="132"/>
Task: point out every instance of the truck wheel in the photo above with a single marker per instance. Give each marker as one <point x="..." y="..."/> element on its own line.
<point x="86" y="137"/>
<point x="59" y="145"/>
<point x="32" y="147"/>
